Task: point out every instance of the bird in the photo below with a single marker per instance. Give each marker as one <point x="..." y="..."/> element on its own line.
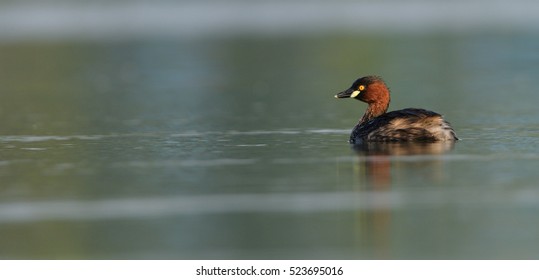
<point x="406" y="125"/>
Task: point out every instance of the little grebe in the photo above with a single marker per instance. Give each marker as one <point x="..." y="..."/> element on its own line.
<point x="404" y="125"/>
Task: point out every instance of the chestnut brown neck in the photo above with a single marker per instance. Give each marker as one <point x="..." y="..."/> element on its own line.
<point x="373" y="110"/>
<point x="377" y="97"/>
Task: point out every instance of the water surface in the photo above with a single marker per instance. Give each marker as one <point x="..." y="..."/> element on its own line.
<point x="234" y="147"/>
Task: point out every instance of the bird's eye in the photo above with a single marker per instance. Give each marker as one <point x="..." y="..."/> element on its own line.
<point x="361" y="87"/>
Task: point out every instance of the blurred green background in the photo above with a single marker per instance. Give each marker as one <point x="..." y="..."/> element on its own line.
<point x="208" y="129"/>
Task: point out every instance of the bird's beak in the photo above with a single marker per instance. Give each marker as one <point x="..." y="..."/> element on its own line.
<point x="349" y="93"/>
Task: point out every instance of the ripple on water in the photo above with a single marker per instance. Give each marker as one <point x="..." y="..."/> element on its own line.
<point x="43" y="138"/>
<point x="38" y="138"/>
<point x="187" y="163"/>
<point x="329" y="131"/>
<point x="34" y="149"/>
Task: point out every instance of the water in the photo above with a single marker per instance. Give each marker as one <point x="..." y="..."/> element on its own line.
<point x="233" y="146"/>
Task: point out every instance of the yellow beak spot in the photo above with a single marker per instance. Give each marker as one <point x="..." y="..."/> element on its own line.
<point x="355" y="93"/>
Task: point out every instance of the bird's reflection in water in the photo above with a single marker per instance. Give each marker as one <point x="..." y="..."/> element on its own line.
<point x="377" y="159"/>
<point x="403" y="148"/>
<point x="377" y="162"/>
